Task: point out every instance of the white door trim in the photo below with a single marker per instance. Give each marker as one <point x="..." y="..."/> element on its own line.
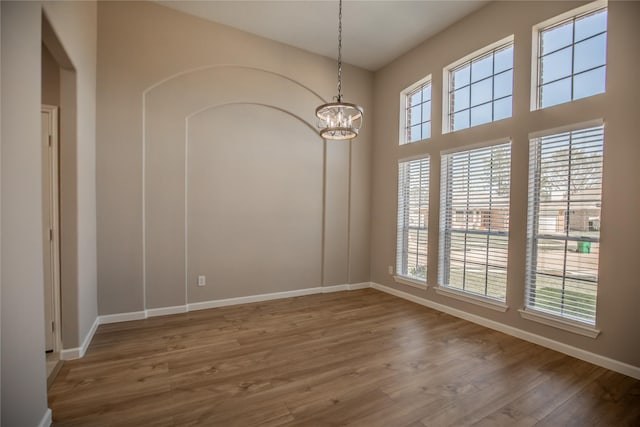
<point x="54" y="220"/>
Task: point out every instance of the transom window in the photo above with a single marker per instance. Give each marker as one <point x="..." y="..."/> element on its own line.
<point x="417" y="112"/>
<point x="572" y="57"/>
<point x="413" y="216"/>
<point x="480" y="89"/>
<point x="565" y="185"/>
<point x="474" y="220"/>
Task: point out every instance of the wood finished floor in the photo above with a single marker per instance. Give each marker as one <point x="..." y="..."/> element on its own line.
<point x="361" y="358"/>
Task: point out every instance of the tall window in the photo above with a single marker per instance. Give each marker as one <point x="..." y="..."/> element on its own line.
<point x="572" y="57"/>
<point x="565" y="184"/>
<point x="480" y="89"/>
<point x="413" y="214"/>
<point x="474" y="220"/>
<point x="417" y="112"/>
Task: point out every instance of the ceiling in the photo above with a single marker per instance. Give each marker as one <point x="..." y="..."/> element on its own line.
<point x="374" y="32"/>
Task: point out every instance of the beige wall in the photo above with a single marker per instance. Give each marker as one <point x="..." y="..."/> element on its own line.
<point x="75" y="25"/>
<point x="24" y="399"/>
<point x="237" y="185"/>
<point x="50" y="78"/>
<point x="23" y="368"/>
<point x="617" y="313"/>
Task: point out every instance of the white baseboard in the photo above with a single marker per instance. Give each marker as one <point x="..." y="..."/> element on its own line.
<point x="587" y="356"/>
<point x="122" y="317"/>
<point x="252" y="298"/>
<point x="333" y="288"/>
<point x="46" y="420"/>
<point x="165" y="311"/>
<point x="78" y="352"/>
<point x="356" y="286"/>
<point x="341" y="288"/>
<point x="70" y="353"/>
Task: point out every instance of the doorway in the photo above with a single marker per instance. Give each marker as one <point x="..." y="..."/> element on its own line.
<point x="51" y="235"/>
<point x="59" y="199"/>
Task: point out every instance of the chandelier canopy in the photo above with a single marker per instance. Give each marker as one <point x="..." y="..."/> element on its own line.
<point x="339" y="120"/>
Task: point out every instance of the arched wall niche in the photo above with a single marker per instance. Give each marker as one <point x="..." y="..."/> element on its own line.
<point x="239" y="187"/>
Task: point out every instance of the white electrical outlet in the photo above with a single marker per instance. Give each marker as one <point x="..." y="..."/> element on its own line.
<point x="391" y="269"/>
<point x="202" y="280"/>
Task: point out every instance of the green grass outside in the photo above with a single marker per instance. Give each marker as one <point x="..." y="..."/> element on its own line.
<point x="474" y="282"/>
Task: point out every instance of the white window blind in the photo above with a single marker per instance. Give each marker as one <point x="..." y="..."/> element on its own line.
<point x="474" y="220"/>
<point x="418" y="113"/>
<point x="413" y="214"/>
<point x="565" y="184"/>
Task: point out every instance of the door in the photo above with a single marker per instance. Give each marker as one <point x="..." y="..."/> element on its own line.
<point x="51" y="255"/>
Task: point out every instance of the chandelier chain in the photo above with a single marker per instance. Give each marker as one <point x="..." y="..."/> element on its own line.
<point x="339" y="120"/>
<point x="340" y="53"/>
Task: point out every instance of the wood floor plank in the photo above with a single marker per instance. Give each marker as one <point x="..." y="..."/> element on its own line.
<point x="358" y="358"/>
<point x="610" y="400"/>
<point x="566" y="381"/>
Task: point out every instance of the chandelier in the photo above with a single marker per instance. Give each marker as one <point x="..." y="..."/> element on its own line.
<point x="339" y="120"/>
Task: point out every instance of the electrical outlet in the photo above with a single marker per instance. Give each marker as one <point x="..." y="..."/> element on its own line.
<point x="202" y="280"/>
<point x="390" y="268"/>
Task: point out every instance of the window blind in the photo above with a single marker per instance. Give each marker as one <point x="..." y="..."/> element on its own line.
<point x="474" y="220"/>
<point x="413" y="215"/>
<point x="565" y="185"/>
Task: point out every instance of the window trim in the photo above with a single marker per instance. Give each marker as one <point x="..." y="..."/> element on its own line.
<point x="446" y="102"/>
<point x="410" y="281"/>
<point x="485" y="302"/>
<point x="569" y="324"/>
<point x="399" y="277"/>
<point x="443" y="289"/>
<point x="403" y="110"/>
<point x="535" y="45"/>
<point x="566" y="128"/>
<point x="559" y="322"/>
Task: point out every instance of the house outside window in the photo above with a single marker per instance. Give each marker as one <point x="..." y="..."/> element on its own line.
<point x="565" y="185"/>
<point x="474" y="220"/>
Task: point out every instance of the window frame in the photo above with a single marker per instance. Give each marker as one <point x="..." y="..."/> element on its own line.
<point x="536" y="31"/>
<point x="404" y="100"/>
<point x="444" y="288"/>
<point x="402" y="228"/>
<point x="446" y="78"/>
<point x="565" y="322"/>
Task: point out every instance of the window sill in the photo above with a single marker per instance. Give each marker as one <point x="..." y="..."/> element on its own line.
<point x="473" y="299"/>
<point x="560" y="323"/>
<point x="418" y="141"/>
<point x="410" y="282"/>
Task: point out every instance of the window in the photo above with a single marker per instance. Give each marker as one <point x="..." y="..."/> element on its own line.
<point x="565" y="183"/>
<point x="480" y="87"/>
<point x="571" y="57"/>
<point x="413" y="214"/>
<point x="416" y="107"/>
<point x="474" y="220"/>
